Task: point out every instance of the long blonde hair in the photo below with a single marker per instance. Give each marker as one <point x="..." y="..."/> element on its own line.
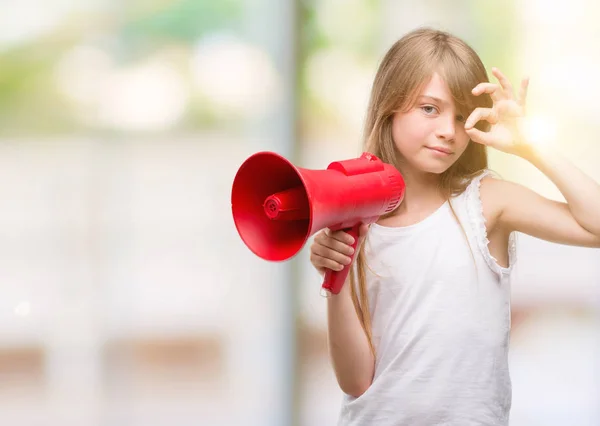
<point x="405" y="69"/>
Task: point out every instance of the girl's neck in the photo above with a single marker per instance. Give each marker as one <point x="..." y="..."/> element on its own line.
<point x="421" y="199"/>
<point x="422" y="191"/>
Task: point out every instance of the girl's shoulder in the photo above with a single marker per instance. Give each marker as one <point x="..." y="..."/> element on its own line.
<point x="483" y="203"/>
<point x="477" y="180"/>
<point x="485" y="191"/>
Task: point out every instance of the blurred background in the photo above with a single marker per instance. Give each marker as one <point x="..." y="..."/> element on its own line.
<point x="126" y="295"/>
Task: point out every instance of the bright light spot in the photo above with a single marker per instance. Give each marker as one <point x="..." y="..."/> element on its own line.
<point x="149" y="96"/>
<point x="235" y="76"/>
<point x="152" y="96"/>
<point x="23" y="309"/>
<point x="540" y="131"/>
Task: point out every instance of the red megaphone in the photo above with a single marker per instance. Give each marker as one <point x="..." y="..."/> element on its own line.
<point x="277" y="206"/>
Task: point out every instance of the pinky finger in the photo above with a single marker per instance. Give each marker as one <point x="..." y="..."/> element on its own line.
<point x="323" y="262"/>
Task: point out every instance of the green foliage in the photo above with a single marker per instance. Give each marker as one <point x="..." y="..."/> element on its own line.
<point x="182" y="20"/>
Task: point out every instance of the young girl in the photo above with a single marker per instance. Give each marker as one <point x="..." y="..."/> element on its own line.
<point x="419" y="335"/>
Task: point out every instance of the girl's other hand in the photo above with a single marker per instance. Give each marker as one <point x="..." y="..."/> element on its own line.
<point x="333" y="250"/>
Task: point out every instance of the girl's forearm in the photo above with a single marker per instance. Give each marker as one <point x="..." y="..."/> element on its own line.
<point x="349" y="348"/>
<point x="581" y="192"/>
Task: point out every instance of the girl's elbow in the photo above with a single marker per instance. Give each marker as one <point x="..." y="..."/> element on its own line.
<point x="355" y="389"/>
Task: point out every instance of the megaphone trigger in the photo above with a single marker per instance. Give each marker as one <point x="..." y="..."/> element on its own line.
<point x="334" y="280"/>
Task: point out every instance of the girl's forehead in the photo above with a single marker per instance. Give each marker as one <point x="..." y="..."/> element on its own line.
<point x="434" y="89"/>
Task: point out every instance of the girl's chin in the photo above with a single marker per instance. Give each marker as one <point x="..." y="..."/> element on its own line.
<point x="428" y="166"/>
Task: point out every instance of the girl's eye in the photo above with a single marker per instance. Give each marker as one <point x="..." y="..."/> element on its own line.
<point x="460" y="118"/>
<point x="428" y="109"/>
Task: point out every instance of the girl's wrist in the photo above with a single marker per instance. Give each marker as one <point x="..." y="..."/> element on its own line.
<point x="526" y="151"/>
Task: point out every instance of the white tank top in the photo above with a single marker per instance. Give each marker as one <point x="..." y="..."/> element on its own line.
<point x="440" y="312"/>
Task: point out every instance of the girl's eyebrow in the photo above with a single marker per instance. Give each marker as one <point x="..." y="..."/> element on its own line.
<point x="434" y="99"/>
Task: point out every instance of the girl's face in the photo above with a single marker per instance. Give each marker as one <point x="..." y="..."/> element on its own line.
<point x="430" y="136"/>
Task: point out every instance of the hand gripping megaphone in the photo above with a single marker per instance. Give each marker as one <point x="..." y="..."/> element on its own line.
<point x="277" y="206"/>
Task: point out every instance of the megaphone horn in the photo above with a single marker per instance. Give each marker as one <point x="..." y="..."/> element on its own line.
<point x="277" y="206"/>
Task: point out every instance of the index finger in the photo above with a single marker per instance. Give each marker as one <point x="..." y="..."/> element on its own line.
<point x="490" y="88"/>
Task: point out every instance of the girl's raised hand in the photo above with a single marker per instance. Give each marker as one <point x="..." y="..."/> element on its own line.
<point x="505" y="116"/>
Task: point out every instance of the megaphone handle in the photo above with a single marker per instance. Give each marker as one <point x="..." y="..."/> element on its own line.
<point x="334" y="280"/>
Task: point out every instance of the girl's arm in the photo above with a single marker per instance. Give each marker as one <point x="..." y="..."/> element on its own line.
<point x="349" y="349"/>
<point x="576" y="222"/>
<point x="516" y="208"/>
